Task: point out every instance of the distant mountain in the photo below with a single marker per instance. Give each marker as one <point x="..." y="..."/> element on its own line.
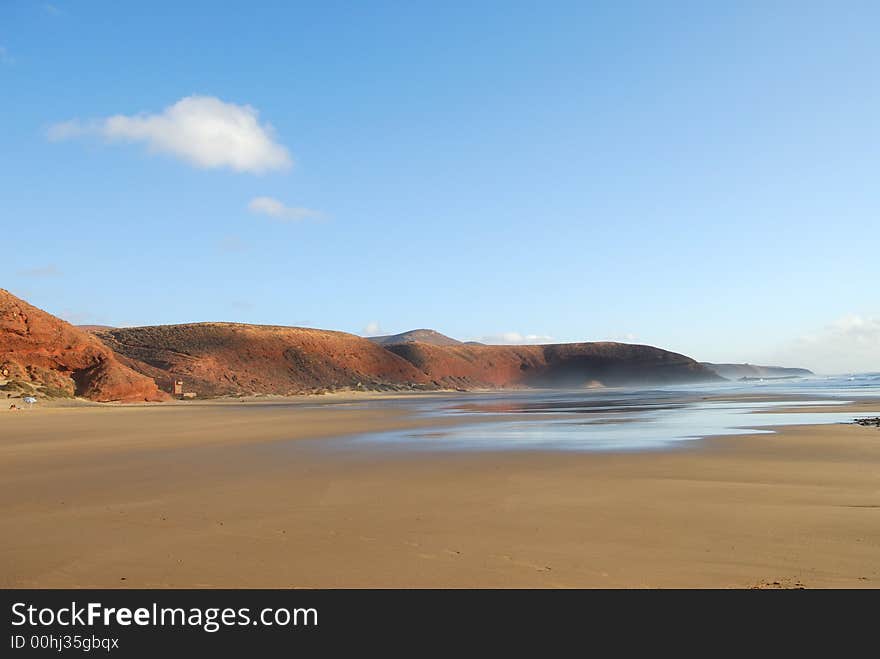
<point x="428" y="336"/>
<point x="737" y="371"/>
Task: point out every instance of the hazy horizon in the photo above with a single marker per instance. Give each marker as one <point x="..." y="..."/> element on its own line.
<point x="696" y="178"/>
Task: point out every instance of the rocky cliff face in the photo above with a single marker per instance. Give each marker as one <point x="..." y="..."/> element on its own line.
<point x="235" y="359"/>
<point x="37" y="349"/>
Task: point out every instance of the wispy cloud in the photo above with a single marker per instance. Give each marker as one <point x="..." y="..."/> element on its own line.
<point x="850" y="344"/>
<point x="200" y="130"/>
<point x="514" y="338"/>
<point x="5" y="57"/>
<point x="280" y="211"/>
<point x="41" y="271"/>
<point x="52" y="10"/>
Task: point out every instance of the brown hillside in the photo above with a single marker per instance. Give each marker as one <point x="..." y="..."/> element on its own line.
<point x="230" y="358"/>
<point x="561" y="365"/>
<point x="39" y="349"/>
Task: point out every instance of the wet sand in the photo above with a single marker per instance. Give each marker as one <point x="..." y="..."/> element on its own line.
<point x="259" y="495"/>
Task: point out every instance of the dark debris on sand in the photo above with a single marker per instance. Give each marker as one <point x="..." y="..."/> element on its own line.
<point x="872" y="421"/>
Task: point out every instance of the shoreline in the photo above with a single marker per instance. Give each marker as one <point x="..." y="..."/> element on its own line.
<point x="428" y="394"/>
<point x="221" y="495"/>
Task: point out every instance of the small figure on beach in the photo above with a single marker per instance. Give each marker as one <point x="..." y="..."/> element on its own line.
<point x="30" y="400"/>
<point x="13" y="408"/>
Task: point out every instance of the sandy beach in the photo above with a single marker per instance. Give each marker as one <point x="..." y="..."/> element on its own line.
<point x="259" y="495"/>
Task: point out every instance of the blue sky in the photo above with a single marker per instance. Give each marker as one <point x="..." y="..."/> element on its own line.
<point x="690" y="175"/>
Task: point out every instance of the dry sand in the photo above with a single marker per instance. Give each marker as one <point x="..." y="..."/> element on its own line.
<point x="221" y="495"/>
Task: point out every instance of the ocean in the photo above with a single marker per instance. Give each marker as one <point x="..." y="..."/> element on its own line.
<point x="627" y="419"/>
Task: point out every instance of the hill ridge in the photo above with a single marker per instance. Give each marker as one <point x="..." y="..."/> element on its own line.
<point x="421" y="335"/>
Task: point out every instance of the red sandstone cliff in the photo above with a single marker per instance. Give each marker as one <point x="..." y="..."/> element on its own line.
<point x="62" y="360"/>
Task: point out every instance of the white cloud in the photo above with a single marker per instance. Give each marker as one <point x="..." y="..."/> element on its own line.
<point x="514" y="338"/>
<point x="848" y="345"/>
<point x="201" y="130"/>
<point x="274" y="208"/>
<point x="373" y="328"/>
